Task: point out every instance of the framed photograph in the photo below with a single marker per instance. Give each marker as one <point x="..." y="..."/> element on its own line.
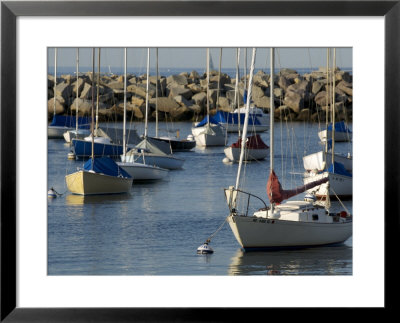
<point x="146" y="77"/>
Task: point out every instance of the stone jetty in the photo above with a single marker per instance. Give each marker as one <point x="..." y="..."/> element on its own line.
<point x="298" y="97"/>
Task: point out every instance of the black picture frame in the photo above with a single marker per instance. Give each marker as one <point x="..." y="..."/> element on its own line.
<point x="10" y="10"/>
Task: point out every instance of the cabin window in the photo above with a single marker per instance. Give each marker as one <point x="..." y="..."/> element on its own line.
<point x="315" y="217"/>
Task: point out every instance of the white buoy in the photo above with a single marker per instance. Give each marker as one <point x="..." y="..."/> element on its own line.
<point x="71" y="155"/>
<point x="226" y="160"/>
<point x="51" y="193"/>
<point x="205" y="249"/>
<point x="190" y="137"/>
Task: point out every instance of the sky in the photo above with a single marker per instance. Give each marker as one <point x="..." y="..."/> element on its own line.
<point x="195" y="58"/>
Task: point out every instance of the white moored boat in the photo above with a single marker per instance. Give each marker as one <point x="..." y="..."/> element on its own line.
<point x="255" y="149"/>
<point x="293" y="224"/>
<point x="319" y="161"/>
<point x="206" y="133"/>
<point x="151" y="151"/>
<point x="341" y="133"/>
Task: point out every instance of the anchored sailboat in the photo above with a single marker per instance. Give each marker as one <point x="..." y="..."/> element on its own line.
<point x="150" y="151"/>
<point x="60" y="124"/>
<point x="290" y="224"/>
<point x="139" y="171"/>
<point x="335" y="168"/>
<point x="99" y="175"/>
<point x="208" y="133"/>
<point x="255" y="148"/>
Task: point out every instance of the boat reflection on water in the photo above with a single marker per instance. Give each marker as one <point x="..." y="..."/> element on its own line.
<point x="333" y="260"/>
<point x="73" y="199"/>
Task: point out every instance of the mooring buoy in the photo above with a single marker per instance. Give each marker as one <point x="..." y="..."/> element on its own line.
<point x="204" y="249"/>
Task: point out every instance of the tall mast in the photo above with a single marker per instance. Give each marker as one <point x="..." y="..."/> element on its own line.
<point x="271" y="116"/>
<point x="92" y="125"/>
<point x="98" y="88"/>
<point x="219" y="77"/>
<point x="147" y="92"/>
<point x="236" y="98"/>
<point x="333" y="107"/>
<point x="208" y="81"/>
<point x="55" y="80"/>
<point x="124" y="126"/>
<point x="77" y="87"/>
<point x="272" y="111"/>
<point x="246" y="119"/>
<point x="157" y="92"/>
<point x="245" y="69"/>
<point x="327" y="102"/>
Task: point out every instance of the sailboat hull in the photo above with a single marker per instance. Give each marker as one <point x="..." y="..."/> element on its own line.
<point x="57" y="132"/>
<point x="207" y="140"/>
<point x="257" y="233"/>
<point x="340" y="136"/>
<point x="73" y="134"/>
<point x="91" y="183"/>
<point x="235" y="127"/>
<point x="166" y="162"/>
<point x="317" y="161"/>
<point x="143" y="172"/>
<point x="83" y="148"/>
<point x="176" y="144"/>
<point x="337" y="185"/>
<point x="250" y="154"/>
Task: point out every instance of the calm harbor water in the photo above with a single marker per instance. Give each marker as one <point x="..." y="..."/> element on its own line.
<point x="157" y="227"/>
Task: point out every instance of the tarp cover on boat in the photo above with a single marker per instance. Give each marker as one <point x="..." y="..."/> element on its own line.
<point x="70" y="122"/>
<point x="213" y="120"/>
<point x="276" y="194"/>
<point x="105" y="166"/>
<point x="154" y="146"/>
<point x="338" y="168"/>
<point x="253" y="142"/>
<point x="340" y="127"/>
<point x="229" y="118"/>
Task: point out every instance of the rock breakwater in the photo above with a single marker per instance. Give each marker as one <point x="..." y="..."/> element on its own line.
<point x="183" y="97"/>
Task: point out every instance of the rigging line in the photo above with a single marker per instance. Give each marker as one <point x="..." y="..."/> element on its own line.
<point x="340" y="201"/>
<point x="219" y="229"/>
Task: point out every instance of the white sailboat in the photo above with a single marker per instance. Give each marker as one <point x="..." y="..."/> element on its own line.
<point x="138" y="171"/>
<point x="336" y="168"/>
<point x="100" y="175"/>
<point x="209" y="134"/>
<point x="292" y="224"/>
<point x="150" y="151"/>
<point x="255" y="148"/>
<point x="77" y="133"/>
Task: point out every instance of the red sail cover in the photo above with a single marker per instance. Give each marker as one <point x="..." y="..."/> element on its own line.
<point x="276" y="194"/>
<point x="253" y="142"/>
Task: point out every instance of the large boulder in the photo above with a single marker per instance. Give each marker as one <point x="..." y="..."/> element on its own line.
<point x="263" y="102"/>
<point x="164" y="104"/>
<point x="185" y="92"/>
<point x="64" y="90"/>
<point x="177" y="79"/>
<point x="321" y="98"/>
<point x="81" y="83"/>
<point x="195" y="88"/>
<point x="200" y="99"/>
<point x="59" y="106"/>
<point x="345" y="87"/>
<point x="140" y="90"/>
<point x="294" y="101"/>
<point x="257" y="92"/>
